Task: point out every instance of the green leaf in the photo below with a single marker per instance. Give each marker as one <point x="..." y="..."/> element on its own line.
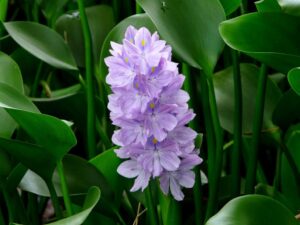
<point x="290" y="6"/>
<point x="254" y="210"/>
<point x="54" y="138"/>
<point x="10" y="75"/>
<point x="277" y="45"/>
<point x="170" y="210"/>
<point x="13" y="99"/>
<point x="224" y="90"/>
<point x="91" y="200"/>
<point x="268" y="6"/>
<point x="230" y="5"/>
<point x="117" y="35"/>
<point x="288" y="183"/>
<point x="287" y="110"/>
<point x="42" y="42"/>
<point x="80" y="176"/>
<point x="190" y="27"/>
<point x="270" y="191"/>
<point x="52" y="9"/>
<point x="294" y="79"/>
<point x="32" y="156"/>
<point x="47" y="131"/>
<point x="101" y="21"/>
<point x="107" y="163"/>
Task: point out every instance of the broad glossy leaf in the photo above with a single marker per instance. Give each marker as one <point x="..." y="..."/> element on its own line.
<point x="190" y="27"/>
<point x="91" y="200"/>
<point x="288" y="183"/>
<point x="5" y="165"/>
<point x="287" y="110"/>
<point x="49" y="132"/>
<point x="13" y="99"/>
<point x="230" y="5"/>
<point x="32" y="156"/>
<point x="268" y="6"/>
<point x="117" y="35"/>
<point x="254" y="210"/>
<point x="10" y="75"/>
<point x="294" y="79"/>
<point x="263" y="189"/>
<point x="107" y="163"/>
<point x="42" y="42"/>
<point x="101" y="21"/>
<point x="54" y="138"/>
<point x="270" y="37"/>
<point x="224" y="90"/>
<point x="80" y="176"/>
<point x="290" y="6"/>
<point x="68" y="103"/>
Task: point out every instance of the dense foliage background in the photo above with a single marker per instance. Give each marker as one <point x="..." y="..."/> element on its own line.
<point x="241" y="61"/>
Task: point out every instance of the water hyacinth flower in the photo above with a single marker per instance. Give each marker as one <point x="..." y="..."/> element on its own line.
<point x="151" y="111"/>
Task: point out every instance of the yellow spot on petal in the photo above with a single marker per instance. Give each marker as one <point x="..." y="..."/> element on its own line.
<point x="154" y="141"/>
<point x="143" y="42"/>
<point x="126" y="59"/>
<point x="131" y="40"/>
<point x="152" y="105"/>
<point x="153" y="69"/>
<point x="136" y="85"/>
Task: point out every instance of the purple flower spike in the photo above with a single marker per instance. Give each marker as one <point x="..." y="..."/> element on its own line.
<point x="151" y="110"/>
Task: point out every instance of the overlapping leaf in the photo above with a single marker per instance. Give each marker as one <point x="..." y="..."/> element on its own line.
<point x="190" y="27"/>
<point x="254" y="34"/>
<point x="91" y="200"/>
<point x="253" y="209"/>
<point x="42" y="42"/>
<point x="101" y="21"/>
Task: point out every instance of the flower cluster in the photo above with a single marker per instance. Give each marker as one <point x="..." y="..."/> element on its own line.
<point x="151" y="110"/>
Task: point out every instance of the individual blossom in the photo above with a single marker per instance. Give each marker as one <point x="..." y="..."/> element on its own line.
<point x="150" y="109"/>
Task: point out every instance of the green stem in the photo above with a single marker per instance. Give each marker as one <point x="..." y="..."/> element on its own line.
<point x="151" y="208"/>
<point x="33" y="208"/>
<point x="244" y="6"/>
<point x="3" y="9"/>
<point x="19" y="207"/>
<point x="121" y="220"/>
<point x="276" y="182"/>
<point x="103" y="135"/>
<point x="138" y="8"/>
<point x="91" y="138"/>
<point x="36" y="80"/>
<point x="197" y="190"/>
<point x="64" y="188"/>
<point x="116" y="7"/>
<point x="128" y="7"/>
<point x="257" y="125"/>
<point x="214" y="190"/>
<point x="238" y="113"/>
<point x="54" y="199"/>
<point x="9" y="204"/>
<point x="292" y="162"/>
<point x="208" y="126"/>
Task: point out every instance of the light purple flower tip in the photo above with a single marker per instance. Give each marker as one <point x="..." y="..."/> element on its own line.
<point x="151" y="111"/>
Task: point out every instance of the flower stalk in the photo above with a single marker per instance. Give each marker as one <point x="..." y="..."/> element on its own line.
<point x="257" y="125"/>
<point x="89" y="66"/>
